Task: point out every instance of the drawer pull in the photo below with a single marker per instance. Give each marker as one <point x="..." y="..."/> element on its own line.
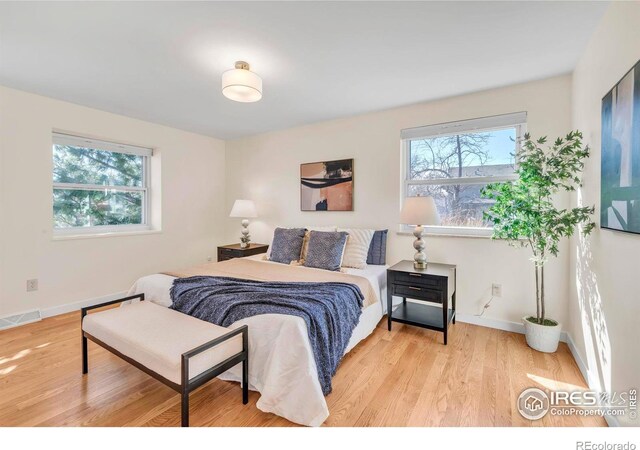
<point x="415" y="275"/>
<point x="415" y="288"/>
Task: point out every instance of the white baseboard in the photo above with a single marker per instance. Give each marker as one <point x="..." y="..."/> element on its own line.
<point x="612" y="421"/>
<point x="505" y="325"/>
<point x="579" y="361"/>
<point x="70" y="307"/>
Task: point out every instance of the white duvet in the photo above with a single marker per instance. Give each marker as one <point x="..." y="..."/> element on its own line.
<point x="281" y="363"/>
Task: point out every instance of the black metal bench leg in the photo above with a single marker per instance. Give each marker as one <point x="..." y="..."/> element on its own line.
<point x="185" y="408"/>
<point x="245" y="381"/>
<point x="184" y="385"/>
<point x="85" y="357"/>
<point x="245" y="366"/>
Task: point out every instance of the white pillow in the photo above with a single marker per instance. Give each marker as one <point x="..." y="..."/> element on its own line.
<point x="357" y="248"/>
<point x="305" y="242"/>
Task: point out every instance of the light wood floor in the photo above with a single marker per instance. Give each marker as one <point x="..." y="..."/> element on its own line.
<point x="403" y="378"/>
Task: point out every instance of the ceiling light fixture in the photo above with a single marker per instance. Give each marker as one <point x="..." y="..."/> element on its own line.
<point x="241" y="85"/>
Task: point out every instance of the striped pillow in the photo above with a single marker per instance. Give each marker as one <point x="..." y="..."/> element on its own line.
<point x="357" y="249"/>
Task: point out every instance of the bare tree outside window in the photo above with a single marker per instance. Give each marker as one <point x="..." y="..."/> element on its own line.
<point x="452" y="169"/>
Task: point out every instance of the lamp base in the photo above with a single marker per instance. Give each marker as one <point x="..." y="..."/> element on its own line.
<point x="419" y="264"/>
<point x="245" y="238"/>
<point x="420" y="258"/>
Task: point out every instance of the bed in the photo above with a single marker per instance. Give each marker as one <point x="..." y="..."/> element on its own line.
<point x="282" y="366"/>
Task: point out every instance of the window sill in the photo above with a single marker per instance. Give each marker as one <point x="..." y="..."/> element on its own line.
<point x="71" y="237"/>
<point x="446" y="235"/>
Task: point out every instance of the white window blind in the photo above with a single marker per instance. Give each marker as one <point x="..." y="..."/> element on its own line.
<point x="465" y="126"/>
<point x="77" y="141"/>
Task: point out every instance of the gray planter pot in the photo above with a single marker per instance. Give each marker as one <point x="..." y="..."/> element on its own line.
<point x="543" y="338"/>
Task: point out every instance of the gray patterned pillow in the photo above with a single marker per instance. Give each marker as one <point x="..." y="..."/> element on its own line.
<point x="325" y="249"/>
<point x="287" y="245"/>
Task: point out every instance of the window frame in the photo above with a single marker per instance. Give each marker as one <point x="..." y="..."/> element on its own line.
<point x="484" y="124"/>
<point x="59" y="138"/>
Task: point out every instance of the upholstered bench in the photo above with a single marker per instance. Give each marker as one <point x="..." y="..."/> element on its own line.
<point x="179" y="350"/>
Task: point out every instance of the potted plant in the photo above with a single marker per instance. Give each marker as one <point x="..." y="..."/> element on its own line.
<point x="524" y="214"/>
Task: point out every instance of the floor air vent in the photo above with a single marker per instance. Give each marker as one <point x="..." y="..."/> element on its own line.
<point x="20" y="319"/>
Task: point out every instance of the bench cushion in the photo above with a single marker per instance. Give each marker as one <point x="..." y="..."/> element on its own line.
<point x="156" y="337"/>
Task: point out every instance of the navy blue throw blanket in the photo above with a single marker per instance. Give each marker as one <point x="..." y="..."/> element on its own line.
<point x="330" y="310"/>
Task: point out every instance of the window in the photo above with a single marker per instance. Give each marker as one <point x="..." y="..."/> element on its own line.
<point x="99" y="186"/>
<point x="452" y="162"/>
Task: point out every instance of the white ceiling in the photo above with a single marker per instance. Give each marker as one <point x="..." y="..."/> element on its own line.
<point x="162" y="62"/>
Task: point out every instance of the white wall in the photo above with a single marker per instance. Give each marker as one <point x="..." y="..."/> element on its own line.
<point x="266" y="167"/>
<point x="190" y="189"/>
<point x="605" y="299"/>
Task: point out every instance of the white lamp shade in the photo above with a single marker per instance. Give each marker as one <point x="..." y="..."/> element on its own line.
<point x="419" y="211"/>
<point x="243" y="208"/>
<point x="241" y="85"/>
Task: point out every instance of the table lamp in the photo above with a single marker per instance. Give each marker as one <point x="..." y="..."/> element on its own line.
<point x="244" y="209"/>
<point x="419" y="211"/>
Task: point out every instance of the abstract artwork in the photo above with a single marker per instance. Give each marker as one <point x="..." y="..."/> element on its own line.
<point x="327" y="186"/>
<point x="620" y="169"/>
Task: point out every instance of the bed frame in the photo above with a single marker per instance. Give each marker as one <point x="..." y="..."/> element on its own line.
<point x="187" y="385"/>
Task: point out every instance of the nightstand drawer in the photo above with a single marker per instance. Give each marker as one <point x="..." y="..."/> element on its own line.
<point x="417" y="279"/>
<point x="418" y="292"/>
<point x="227" y="252"/>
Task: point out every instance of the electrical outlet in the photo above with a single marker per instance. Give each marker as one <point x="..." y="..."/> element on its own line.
<point x="496" y="290"/>
<point x="32" y="285"/>
<point x="209" y="258"/>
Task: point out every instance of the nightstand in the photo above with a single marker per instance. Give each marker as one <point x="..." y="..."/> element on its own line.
<point x="231" y="251"/>
<point x="432" y="291"/>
